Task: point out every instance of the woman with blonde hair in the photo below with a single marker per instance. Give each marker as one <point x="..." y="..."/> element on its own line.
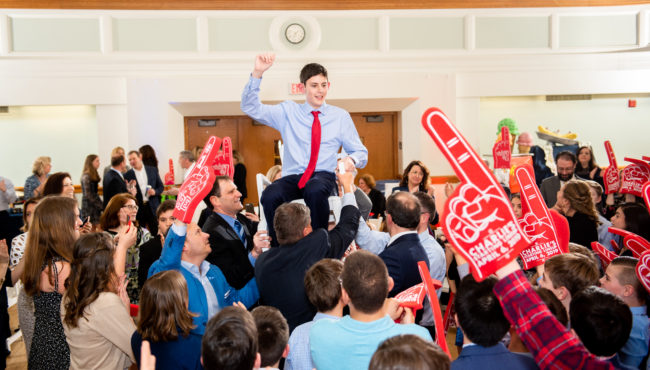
<point x="48" y="250"/>
<point x="167" y="324"/>
<point x="274" y="173"/>
<point x="95" y="309"/>
<point x="91" y="203"/>
<point x="575" y="203"/>
<point x="119" y="215"/>
<point x="34" y="184"/>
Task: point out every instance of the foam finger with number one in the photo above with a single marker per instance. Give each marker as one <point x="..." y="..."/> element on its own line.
<point x="478" y="218"/>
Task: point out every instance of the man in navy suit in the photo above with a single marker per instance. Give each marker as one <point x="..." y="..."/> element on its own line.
<point x="404" y="250"/>
<point x="149" y="186"/>
<point x="114" y="182"/>
<point x="481" y="319"/>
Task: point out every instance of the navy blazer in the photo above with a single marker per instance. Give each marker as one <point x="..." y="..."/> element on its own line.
<point x="280" y="271"/>
<point x="153" y="179"/>
<point x="113" y="184"/>
<point x="228" y="252"/>
<point x="401" y="258"/>
<point x="496" y="357"/>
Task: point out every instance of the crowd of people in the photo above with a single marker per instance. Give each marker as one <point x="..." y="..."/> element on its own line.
<point x="116" y="282"/>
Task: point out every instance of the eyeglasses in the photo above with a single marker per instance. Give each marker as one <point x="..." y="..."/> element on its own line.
<point x="131" y="207"/>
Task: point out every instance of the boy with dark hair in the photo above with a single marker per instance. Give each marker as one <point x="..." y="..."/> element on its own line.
<point x="230" y="341"/>
<point x="483" y="324"/>
<point x="323" y="290"/>
<point x="567" y="274"/>
<point x="307" y="170"/>
<point x="408" y="352"/>
<point x="350" y="342"/>
<point x="272" y="335"/>
<point x="620" y="279"/>
<point x="151" y="250"/>
<point x="602" y="321"/>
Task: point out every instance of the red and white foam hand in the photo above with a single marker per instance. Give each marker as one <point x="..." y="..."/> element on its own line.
<point x="198" y="183"/>
<point x="169" y="176"/>
<point x="501" y="150"/>
<point x="637" y="244"/>
<point x="643" y="270"/>
<point x="223" y="163"/>
<point x="478" y="219"/>
<point x="646" y="194"/>
<point x="611" y="176"/>
<point x="606" y="256"/>
<point x="634" y="176"/>
<point x="537" y="222"/>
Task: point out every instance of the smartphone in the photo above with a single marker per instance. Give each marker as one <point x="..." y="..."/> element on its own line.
<point x="249" y="208"/>
<point x="128" y="221"/>
<point x="85" y="221"/>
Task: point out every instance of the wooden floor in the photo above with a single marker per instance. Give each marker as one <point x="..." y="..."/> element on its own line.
<point x="18" y="358"/>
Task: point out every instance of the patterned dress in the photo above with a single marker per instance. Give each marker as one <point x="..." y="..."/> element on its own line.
<point x="91" y="203"/>
<point x="133" y="262"/>
<point x="49" y="349"/>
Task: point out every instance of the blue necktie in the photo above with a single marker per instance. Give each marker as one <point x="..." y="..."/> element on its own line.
<point x="240" y="231"/>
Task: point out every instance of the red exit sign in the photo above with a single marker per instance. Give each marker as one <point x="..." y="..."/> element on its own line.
<point x="296" y="89"/>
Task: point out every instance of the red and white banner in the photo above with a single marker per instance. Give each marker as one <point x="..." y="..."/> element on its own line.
<point x="634" y="177"/>
<point x="198" y="183"/>
<point x="430" y="286"/>
<point x="478" y="219"/>
<point x="611" y="176"/>
<point x="537" y="222"/>
<point x="501" y="150"/>
<point x="606" y="256"/>
<point x="223" y="163"/>
<point x="169" y="176"/>
<point x="643" y="270"/>
<point x="638" y="245"/>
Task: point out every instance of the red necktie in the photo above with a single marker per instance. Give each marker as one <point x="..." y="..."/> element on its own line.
<point x="315" y="146"/>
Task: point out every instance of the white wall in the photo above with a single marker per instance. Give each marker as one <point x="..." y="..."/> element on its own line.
<point x="137" y="93"/>
<point x="602" y="118"/>
<point x="60" y="132"/>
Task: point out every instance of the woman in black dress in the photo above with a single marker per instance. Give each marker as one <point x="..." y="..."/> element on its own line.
<point x="575" y="203"/>
<point x="367" y="185"/>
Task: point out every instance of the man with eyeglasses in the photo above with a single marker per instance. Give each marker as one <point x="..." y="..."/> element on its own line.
<point x="566" y="164"/>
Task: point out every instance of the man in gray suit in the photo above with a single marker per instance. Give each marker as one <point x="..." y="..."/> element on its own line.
<point x="566" y="164"/>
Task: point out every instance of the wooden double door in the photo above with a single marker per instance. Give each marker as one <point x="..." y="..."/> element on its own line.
<point x="258" y="143"/>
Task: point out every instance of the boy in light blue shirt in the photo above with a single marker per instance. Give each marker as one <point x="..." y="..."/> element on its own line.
<point x="350" y="342"/>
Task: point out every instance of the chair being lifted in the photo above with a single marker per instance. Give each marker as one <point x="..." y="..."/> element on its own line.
<point x="262" y="182"/>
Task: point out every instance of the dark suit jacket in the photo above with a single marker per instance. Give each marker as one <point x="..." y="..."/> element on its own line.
<point x="401" y="258"/>
<point x="228" y="252"/>
<point x="149" y="253"/>
<point x="153" y="179"/>
<point x="280" y="271"/>
<point x="550" y="187"/>
<point x="492" y="358"/>
<point x="113" y="184"/>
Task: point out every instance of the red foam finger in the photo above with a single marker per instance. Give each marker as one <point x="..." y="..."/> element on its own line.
<point x="635" y="243"/>
<point x="223" y="163"/>
<point x="537" y="221"/>
<point x="611" y="176"/>
<point x="198" y="183"/>
<point x="412" y="297"/>
<point x="501" y="150"/>
<point x="478" y="218"/>
<point x="169" y="176"/>
<point x="634" y="176"/>
<point x="643" y="270"/>
<point x="646" y="194"/>
<point x="606" y="256"/>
